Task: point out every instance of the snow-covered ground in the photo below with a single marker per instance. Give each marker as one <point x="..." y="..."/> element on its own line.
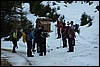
<point x="86" y="50"/>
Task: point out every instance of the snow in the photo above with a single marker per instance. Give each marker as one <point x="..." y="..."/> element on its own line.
<point x="26" y="7"/>
<point x="86" y="50"/>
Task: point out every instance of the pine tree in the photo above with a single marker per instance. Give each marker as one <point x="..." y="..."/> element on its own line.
<point x="86" y="19"/>
<point x="97" y="7"/>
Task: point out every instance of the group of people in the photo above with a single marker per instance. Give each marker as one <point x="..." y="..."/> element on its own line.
<point x="40" y="39"/>
<point x="67" y="32"/>
<point x="37" y="37"/>
<point x="33" y="38"/>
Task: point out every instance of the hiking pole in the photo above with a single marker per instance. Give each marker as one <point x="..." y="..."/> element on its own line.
<point x="48" y="48"/>
<point x="60" y="42"/>
<point x="55" y="31"/>
<point x="47" y="45"/>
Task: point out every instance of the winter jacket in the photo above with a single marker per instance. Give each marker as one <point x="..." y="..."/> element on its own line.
<point x="71" y="33"/>
<point x="15" y="35"/>
<point x="23" y="37"/>
<point x="63" y="31"/>
<point x="59" y="24"/>
<point x="29" y="36"/>
<point x="37" y="35"/>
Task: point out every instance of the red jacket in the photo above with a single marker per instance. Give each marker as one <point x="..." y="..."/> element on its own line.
<point x="59" y="24"/>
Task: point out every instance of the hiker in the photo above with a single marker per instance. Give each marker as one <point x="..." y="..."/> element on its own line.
<point x="29" y="37"/>
<point x="73" y="29"/>
<point x="43" y="41"/>
<point x="14" y="40"/>
<point x="71" y="35"/>
<point x="64" y="35"/>
<point x="59" y="26"/>
<point x="72" y="25"/>
<point x="40" y="39"/>
<point x="37" y="36"/>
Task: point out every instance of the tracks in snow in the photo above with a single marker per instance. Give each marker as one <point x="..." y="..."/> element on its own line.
<point x="19" y="53"/>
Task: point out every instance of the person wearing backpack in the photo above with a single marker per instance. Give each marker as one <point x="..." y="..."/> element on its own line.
<point x="34" y="41"/>
<point x="59" y="26"/>
<point x="72" y="25"/>
<point x="14" y="40"/>
<point x="37" y="40"/>
<point x="71" y="36"/>
<point x="64" y="35"/>
<point x="73" y="29"/>
<point x="29" y="37"/>
<point x="43" y="41"/>
<point x="40" y="39"/>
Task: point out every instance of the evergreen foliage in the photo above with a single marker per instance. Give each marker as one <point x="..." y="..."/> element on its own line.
<point x="86" y="19"/>
<point x="97" y="7"/>
<point x="36" y="8"/>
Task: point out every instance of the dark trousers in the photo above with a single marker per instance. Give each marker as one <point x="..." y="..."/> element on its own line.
<point x="71" y="48"/>
<point x="38" y="47"/>
<point x="64" y="41"/>
<point x="34" y="44"/>
<point x="43" y="49"/>
<point x="14" y="45"/>
<point x="42" y="46"/>
<point x="58" y="31"/>
<point x="73" y="42"/>
<point x="29" y="48"/>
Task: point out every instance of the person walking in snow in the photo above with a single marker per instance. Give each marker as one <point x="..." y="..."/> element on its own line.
<point x="29" y="37"/>
<point x="14" y="40"/>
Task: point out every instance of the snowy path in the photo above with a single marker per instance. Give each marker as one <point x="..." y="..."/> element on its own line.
<point x="19" y="55"/>
<point x="55" y="55"/>
<point x="86" y="46"/>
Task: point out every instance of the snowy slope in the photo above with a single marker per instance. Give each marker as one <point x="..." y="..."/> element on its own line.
<point x="86" y="49"/>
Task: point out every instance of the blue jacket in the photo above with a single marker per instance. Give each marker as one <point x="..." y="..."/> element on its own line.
<point x="29" y="36"/>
